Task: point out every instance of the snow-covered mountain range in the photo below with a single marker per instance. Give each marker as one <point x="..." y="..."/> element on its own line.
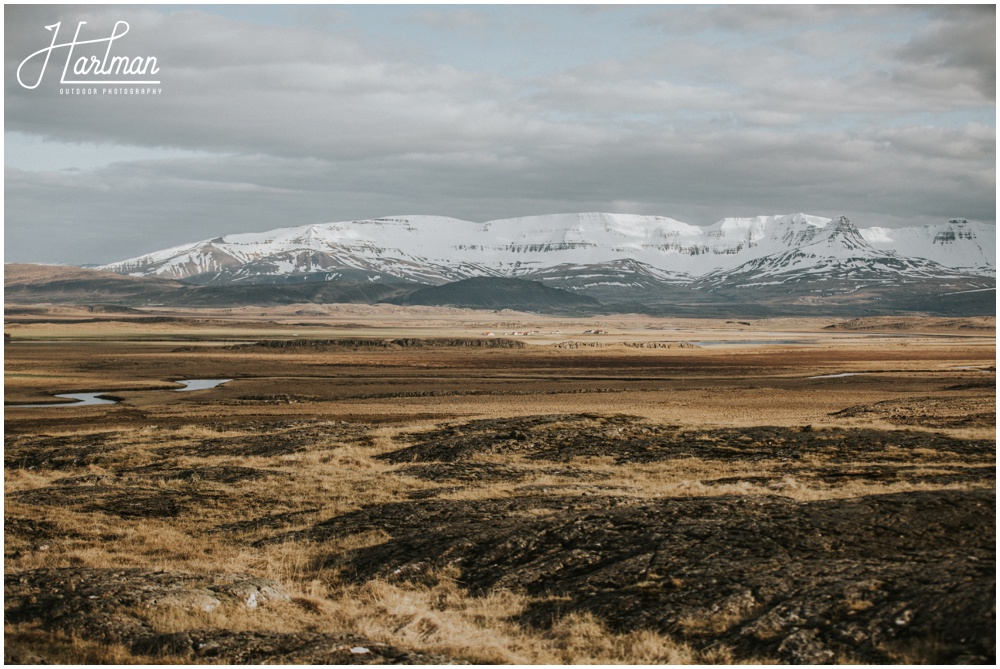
<point x="586" y="251"/>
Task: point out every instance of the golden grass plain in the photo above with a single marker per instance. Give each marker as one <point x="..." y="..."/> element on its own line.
<point x="180" y="481"/>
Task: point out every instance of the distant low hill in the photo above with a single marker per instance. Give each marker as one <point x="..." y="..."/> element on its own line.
<point x="76" y="285"/>
<point x="610" y="288"/>
<point x="29" y="284"/>
<point x="26" y="284"/>
<point x="499" y="293"/>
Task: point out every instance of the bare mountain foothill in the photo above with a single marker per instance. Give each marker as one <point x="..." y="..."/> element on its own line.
<point x="413" y="484"/>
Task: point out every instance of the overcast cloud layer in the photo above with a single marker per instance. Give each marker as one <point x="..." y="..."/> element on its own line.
<point x="282" y="116"/>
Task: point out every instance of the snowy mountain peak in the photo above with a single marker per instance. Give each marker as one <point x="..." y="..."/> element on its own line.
<point x="844" y="234"/>
<point x="437" y="249"/>
<point x="840" y="223"/>
<point x="960" y="244"/>
<point x="957" y="228"/>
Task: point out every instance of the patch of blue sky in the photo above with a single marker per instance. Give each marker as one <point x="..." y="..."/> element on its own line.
<point x="276" y="15"/>
<point x="528" y="41"/>
<point x="894" y="119"/>
<point x="36" y="154"/>
<point x="512" y="40"/>
<point x="863" y="121"/>
<point x="952" y="119"/>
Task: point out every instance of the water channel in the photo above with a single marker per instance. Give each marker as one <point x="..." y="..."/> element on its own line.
<point x="91" y="399"/>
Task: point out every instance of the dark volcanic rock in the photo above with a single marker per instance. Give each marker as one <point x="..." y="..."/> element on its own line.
<point x="12" y="656"/>
<point x="479" y="472"/>
<point x="889" y="474"/>
<point x="404" y="342"/>
<point x="61" y="452"/>
<point x="489" y="472"/>
<point x="315" y="648"/>
<point x="932" y="412"/>
<point x="864" y="578"/>
<point x="941" y="475"/>
<point x="274" y="440"/>
<point x="111" y="606"/>
<point x="131" y="502"/>
<point x="273" y="521"/>
<point x="631" y="440"/>
<point x="31" y="528"/>
<point x="156" y="472"/>
<point x="101" y="604"/>
<point x="32" y="534"/>
<point x="528" y="434"/>
<point x="223" y="474"/>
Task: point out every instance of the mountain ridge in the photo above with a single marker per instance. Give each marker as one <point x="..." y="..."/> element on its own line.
<point x="655" y="264"/>
<point x="435" y="250"/>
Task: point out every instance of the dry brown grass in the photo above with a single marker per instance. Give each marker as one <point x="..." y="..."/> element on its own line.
<point x="441" y="618"/>
<point x="60" y="648"/>
<point x="335" y="475"/>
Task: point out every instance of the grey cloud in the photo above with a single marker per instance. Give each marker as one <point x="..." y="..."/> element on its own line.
<point x="844" y="57"/>
<point x="974" y="141"/>
<point x="452" y="19"/>
<point x="293" y="91"/>
<point x="700" y="177"/>
<point x="756" y="18"/>
<point x="318" y="15"/>
<point x="334" y="101"/>
<point x="309" y="123"/>
<point x="960" y="45"/>
<point x="802" y="76"/>
<point x="585" y="94"/>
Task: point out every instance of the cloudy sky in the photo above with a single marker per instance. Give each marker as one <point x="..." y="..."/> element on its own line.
<point x="277" y="116"/>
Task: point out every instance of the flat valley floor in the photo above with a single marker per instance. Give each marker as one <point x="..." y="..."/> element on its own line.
<point x="395" y="485"/>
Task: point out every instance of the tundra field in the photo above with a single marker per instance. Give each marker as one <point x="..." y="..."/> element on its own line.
<point x="383" y="484"/>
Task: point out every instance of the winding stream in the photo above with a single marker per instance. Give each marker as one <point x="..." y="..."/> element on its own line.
<point x="200" y="384"/>
<point x="91" y="399"/>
